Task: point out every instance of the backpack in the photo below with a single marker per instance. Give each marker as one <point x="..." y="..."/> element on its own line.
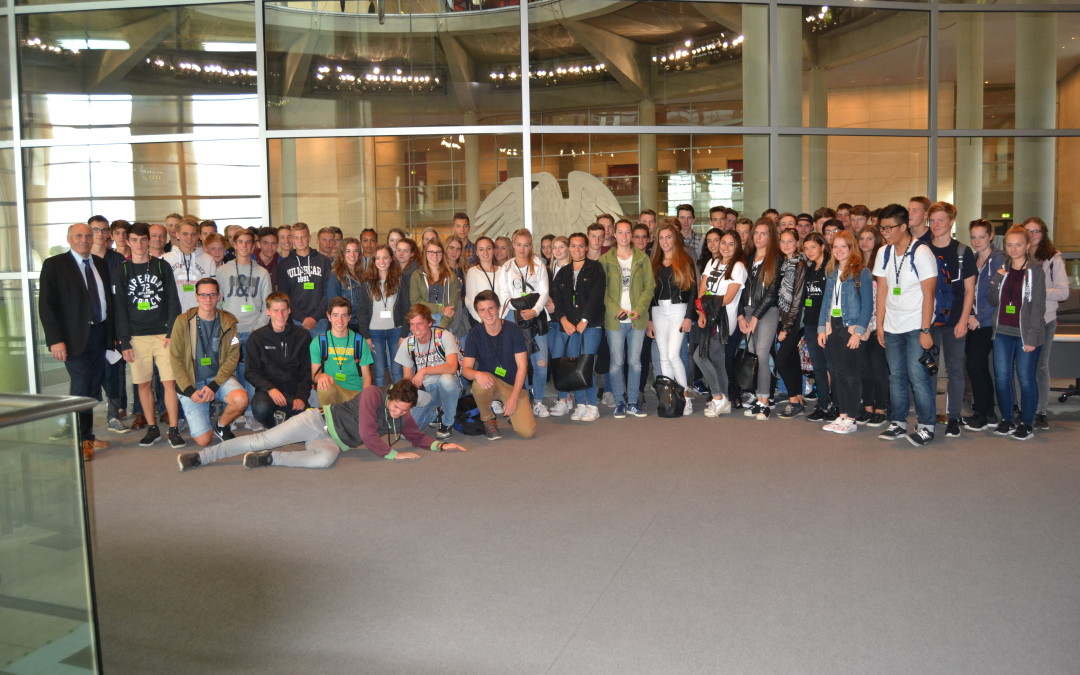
<point x="943" y="291"/>
<point x="324" y="351"/>
<point x="467" y="419"/>
<point x="670" y="395"/>
<point x="437" y="336"/>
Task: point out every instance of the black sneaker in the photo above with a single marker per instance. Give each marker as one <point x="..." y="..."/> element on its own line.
<point x="1041" y="423"/>
<point x="175" y="439"/>
<point x="791" y="410"/>
<point x="253" y="460"/>
<point x="952" y="428"/>
<point x="491" y="430"/>
<point x="876" y="419"/>
<point x="1004" y="428"/>
<point x="977" y="422"/>
<point x="188" y="460"/>
<point x="819" y="415"/>
<point x="894" y="432"/>
<point x="443" y="433"/>
<point x="153" y="433"/>
<point x="921" y="437"/>
<point x="831" y="413"/>
<point x="224" y="433"/>
<point x="864" y="417"/>
<point x="1023" y="432"/>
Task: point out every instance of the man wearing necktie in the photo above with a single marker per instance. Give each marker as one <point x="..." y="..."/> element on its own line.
<point x="75" y="306"/>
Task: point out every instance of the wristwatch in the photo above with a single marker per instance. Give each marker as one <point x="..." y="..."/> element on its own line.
<point x="584" y="321"/>
<point x="924" y="330"/>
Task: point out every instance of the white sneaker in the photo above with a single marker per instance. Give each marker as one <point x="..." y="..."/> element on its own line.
<point x="253" y="424"/>
<point x="561" y="407"/>
<point x="846" y="426"/>
<point x="711" y="407"/>
<point x="540" y="410"/>
<point x="608" y="399"/>
<point x="592" y="413"/>
<point x="723" y="406"/>
<point x="497" y="407"/>
<point x="688" y="408"/>
<point x="578" y="411"/>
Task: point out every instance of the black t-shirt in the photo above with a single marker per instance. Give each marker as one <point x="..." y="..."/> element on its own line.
<point x="959" y="268"/>
<point x="813" y="294"/>
<point x="495" y="353"/>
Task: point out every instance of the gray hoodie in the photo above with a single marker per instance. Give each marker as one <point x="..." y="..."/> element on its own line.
<point x="1032" y="307"/>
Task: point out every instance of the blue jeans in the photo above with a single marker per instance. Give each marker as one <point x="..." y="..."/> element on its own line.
<point x="621" y="341"/>
<point x="588" y="343"/>
<point x="538" y="377"/>
<point x="321" y="326"/>
<point x="384" y="349"/>
<point x="1009" y="354"/>
<point x="902" y="350"/>
<point x="445" y="390"/>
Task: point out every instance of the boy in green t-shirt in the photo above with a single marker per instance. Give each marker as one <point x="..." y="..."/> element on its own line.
<point x="339" y="373"/>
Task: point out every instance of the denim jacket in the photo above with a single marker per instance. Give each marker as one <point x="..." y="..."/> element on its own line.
<point x="856" y="301"/>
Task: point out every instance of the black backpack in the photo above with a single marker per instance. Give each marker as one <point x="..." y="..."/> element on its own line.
<point x="671" y="396"/>
<point x="467" y="419"/>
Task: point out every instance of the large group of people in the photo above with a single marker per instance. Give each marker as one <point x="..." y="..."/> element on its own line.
<point x="362" y="342"/>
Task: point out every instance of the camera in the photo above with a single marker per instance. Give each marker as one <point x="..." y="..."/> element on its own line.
<point x="928" y="361"/>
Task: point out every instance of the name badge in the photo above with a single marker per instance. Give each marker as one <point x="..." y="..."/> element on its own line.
<point x="386" y="314"/>
<point x="500" y="371"/>
<point x="809" y="302"/>
<point x="836" y="311"/>
<point x="143" y="305"/>
<point x="247" y="308"/>
<point x="206" y="361"/>
<point x="189" y="288"/>
<point x="309" y="285"/>
<point x="896" y="290"/>
<point x="340" y="377"/>
<point x="1010" y="309"/>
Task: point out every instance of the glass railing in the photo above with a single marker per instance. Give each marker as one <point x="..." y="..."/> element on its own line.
<point x="47" y="618"/>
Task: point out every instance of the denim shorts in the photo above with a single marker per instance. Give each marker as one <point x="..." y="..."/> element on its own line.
<point x="198" y="414"/>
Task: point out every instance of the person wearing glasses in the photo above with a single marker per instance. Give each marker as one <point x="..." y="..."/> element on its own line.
<point x="907" y="277"/>
<point x="205" y="348"/>
<point x="1057" y="291"/>
<point x="377" y="419"/>
<point x="115" y="373"/>
<point x="435" y="285"/>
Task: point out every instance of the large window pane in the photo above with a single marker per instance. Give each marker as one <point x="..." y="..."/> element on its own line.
<point x="861" y="68"/>
<point x="118" y="73"/>
<point x="645" y="63"/>
<point x="394" y="181"/>
<point x="996" y="178"/>
<point x="9" y="233"/>
<point x="409" y="67"/>
<point x="981" y="54"/>
<point x="5" y="84"/>
<point x="13" y="377"/>
<point x="210" y="179"/>
<point x="871" y="170"/>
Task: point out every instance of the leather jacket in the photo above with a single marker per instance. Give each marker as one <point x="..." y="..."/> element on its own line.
<point x="756" y="294"/>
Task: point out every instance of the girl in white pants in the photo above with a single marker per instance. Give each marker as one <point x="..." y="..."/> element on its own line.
<point x="672" y="308"/>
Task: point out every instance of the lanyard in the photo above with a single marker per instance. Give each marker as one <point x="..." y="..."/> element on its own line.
<point x="391" y="426"/>
<point x="836" y="290"/>
<point x="443" y="283"/>
<point x="339" y="357"/>
<point x="382" y="291"/>
<point x="187" y="264"/>
<point x="244" y="288"/>
<point x="898" y="263"/>
<point x="206" y="344"/>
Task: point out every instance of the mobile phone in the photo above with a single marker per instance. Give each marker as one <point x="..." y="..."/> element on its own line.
<point x="622" y="315"/>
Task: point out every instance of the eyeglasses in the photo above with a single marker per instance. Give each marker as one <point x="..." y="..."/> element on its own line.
<point x="1034" y="231"/>
<point x="434" y="252"/>
<point x="887" y="228"/>
<point x="99" y="230"/>
<point x="206" y="296"/>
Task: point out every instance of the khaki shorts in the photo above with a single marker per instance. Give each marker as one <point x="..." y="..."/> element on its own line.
<point x="150" y="350"/>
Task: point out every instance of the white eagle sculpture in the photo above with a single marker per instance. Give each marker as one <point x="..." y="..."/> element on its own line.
<point x="502" y="212"/>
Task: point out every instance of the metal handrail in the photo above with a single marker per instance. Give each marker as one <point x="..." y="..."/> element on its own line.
<point x="22" y="408"/>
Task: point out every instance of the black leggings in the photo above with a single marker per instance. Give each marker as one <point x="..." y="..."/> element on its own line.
<point x="788" y="363"/>
<point x="846" y="363"/>
<point x="875" y="375"/>
<point x="977" y="360"/>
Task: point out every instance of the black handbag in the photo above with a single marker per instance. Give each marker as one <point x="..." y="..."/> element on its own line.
<point x="670" y="397"/>
<point x="745" y="367"/>
<point x="574" y="373"/>
<point x="538" y="325"/>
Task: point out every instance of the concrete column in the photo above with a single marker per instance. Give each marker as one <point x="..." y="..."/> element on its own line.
<point x="969" y="115"/>
<point x="1036" y="108"/>
<point x="818" y="146"/>
<point x="290" y="210"/>
<point x="789" y="173"/>
<point x="472" y="166"/>
<point x="648" y="164"/>
<point x="755" y="72"/>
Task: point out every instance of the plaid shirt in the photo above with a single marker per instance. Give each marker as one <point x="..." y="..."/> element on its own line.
<point x="693" y="244"/>
<point x="468" y="252"/>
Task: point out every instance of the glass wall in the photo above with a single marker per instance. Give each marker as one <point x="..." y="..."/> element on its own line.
<point x="539" y="114"/>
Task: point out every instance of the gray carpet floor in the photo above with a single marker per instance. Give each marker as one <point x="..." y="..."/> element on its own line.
<point x="620" y="546"/>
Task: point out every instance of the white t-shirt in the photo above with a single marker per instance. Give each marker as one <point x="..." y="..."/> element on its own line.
<point x="903" y="276"/>
<point x="187" y="269"/>
<point x="625" y="266"/>
<point x="715" y="284"/>
<point x="426" y="355"/>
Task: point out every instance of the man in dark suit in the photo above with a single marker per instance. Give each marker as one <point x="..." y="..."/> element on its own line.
<point x="75" y="306"/>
